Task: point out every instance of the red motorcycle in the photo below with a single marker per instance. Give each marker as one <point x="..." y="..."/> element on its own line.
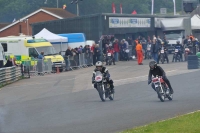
<point x="162" y="89"/>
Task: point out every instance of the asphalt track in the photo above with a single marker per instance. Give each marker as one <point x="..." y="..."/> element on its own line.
<point x="26" y="107"/>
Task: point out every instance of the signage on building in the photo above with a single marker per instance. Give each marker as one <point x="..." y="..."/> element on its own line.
<point x="127" y="22"/>
<point x="163" y="10"/>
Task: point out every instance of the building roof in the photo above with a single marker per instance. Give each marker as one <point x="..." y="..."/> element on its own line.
<point x="3" y="25"/>
<point x="56" y="12"/>
<point x="60" y="12"/>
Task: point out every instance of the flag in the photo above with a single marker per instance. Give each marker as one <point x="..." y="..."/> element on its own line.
<point x="113" y="8"/>
<point x="134" y="12"/>
<point x="174" y="7"/>
<point x="152" y="6"/>
<point x="14" y="20"/>
<point x="121" y="8"/>
<point x="64" y="6"/>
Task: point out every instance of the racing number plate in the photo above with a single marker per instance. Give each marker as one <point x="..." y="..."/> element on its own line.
<point x="109" y="54"/>
<point x="176" y="50"/>
<point x="162" y="51"/>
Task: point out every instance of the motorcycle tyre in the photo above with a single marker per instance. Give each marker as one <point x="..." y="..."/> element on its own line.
<point x="111" y="97"/>
<point x="170" y="96"/>
<point x="102" y="95"/>
<point x="160" y="96"/>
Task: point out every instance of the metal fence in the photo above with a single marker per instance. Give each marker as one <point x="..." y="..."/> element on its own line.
<point x="78" y="61"/>
<point x="9" y="75"/>
<point x="37" y="67"/>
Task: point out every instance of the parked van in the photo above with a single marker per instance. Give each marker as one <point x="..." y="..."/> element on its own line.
<point x="74" y="40"/>
<point x="26" y="46"/>
<point x="2" y="56"/>
<point x="90" y="42"/>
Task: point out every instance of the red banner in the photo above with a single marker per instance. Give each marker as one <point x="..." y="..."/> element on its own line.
<point x="121" y="8"/>
<point x="113" y="8"/>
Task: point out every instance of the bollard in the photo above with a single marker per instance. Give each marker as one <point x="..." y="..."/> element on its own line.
<point x="57" y="71"/>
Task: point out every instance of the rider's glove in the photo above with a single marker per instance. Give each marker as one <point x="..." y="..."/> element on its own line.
<point x="149" y="81"/>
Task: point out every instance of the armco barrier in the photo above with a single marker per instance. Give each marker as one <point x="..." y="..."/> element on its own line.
<point x="9" y="74"/>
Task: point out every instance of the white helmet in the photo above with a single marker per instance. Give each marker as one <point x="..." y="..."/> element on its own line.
<point x="110" y="45"/>
<point x="99" y="63"/>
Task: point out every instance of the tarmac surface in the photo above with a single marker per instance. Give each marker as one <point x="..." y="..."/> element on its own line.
<point x="67" y="102"/>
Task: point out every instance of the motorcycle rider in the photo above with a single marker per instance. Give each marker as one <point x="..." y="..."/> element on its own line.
<point x="180" y="50"/>
<point x="104" y="71"/>
<point x="158" y="71"/>
<point x="110" y="50"/>
<point x="163" y="47"/>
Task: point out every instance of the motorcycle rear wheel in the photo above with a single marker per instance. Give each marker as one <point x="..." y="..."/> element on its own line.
<point x="111" y="97"/>
<point x="170" y="96"/>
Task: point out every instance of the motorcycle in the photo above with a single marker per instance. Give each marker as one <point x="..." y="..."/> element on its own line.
<point x="162" y="55"/>
<point x="148" y="54"/>
<point x="162" y="89"/>
<point x="176" y="55"/>
<point x="103" y="87"/>
<point x="109" y="59"/>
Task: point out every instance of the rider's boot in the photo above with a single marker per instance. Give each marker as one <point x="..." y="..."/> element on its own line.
<point x="171" y="90"/>
<point x="112" y="88"/>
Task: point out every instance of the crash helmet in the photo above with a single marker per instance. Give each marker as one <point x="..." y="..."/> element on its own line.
<point x="110" y="45"/>
<point x="152" y="65"/>
<point x="99" y="65"/>
<point x="178" y="42"/>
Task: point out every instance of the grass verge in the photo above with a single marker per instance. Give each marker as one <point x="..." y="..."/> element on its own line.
<point x="189" y="123"/>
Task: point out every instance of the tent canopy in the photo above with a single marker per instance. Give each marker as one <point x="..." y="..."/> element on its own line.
<point x="172" y="24"/>
<point x="51" y="37"/>
<point x="195" y="22"/>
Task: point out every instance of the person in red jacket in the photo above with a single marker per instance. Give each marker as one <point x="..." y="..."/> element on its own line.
<point x="116" y="49"/>
<point x="110" y="53"/>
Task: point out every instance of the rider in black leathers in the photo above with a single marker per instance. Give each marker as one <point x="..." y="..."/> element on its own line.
<point x="180" y="52"/>
<point x="158" y="71"/>
<point x="104" y="71"/>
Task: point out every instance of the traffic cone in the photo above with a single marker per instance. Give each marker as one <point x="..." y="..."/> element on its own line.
<point x="58" y="71"/>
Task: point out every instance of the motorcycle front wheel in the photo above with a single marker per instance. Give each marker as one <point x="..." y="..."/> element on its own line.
<point x="160" y="94"/>
<point x="101" y="93"/>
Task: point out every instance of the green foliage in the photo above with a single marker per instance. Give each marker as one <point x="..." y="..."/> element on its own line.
<point x="11" y="9"/>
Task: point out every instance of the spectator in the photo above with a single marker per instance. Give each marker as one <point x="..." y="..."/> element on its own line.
<point x="97" y="53"/>
<point x="92" y="51"/>
<point x="144" y="46"/>
<point x="116" y="49"/>
<point x="130" y="41"/>
<point x="68" y="53"/>
<point x="139" y="53"/>
<point x="154" y="50"/>
<point x="41" y="56"/>
<point x="8" y="63"/>
<point x="126" y="50"/>
<point x="14" y="61"/>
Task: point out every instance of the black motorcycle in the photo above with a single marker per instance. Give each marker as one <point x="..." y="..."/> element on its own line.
<point x="103" y="87"/>
<point x="163" y="54"/>
<point x="176" y="55"/>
